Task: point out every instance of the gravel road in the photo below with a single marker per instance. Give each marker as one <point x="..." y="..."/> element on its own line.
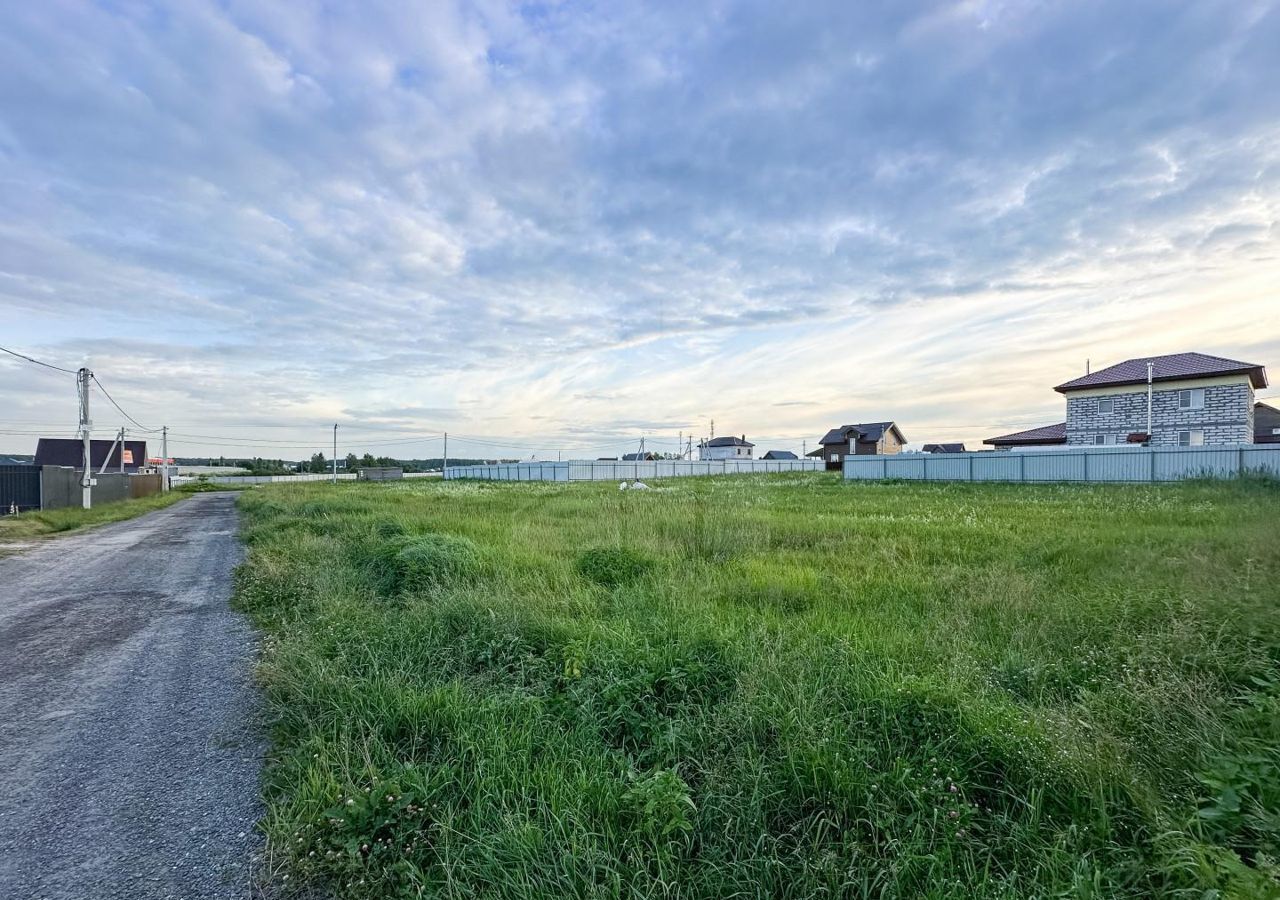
<point x="130" y="736"/>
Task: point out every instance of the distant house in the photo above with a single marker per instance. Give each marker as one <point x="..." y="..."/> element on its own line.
<point x="1266" y="424"/>
<point x="868" y="438"/>
<point x="779" y="454"/>
<point x="1196" y="399"/>
<point x="640" y="457"/>
<point x="1044" y="436"/>
<point x="70" y="452"/>
<point x="727" y="448"/>
<point x="944" y="448"/>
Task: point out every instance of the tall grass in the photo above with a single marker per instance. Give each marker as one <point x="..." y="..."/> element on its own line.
<point x="771" y="687"/>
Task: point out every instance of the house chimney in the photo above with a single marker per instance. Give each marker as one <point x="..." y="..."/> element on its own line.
<point x="1086" y="366"/>
<point x="744" y="439"/>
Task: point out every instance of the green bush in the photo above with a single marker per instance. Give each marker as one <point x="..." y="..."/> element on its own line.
<point x="612" y="566"/>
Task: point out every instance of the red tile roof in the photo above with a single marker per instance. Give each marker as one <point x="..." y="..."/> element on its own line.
<point x="1045" y="434"/>
<point x="1166" y="368"/>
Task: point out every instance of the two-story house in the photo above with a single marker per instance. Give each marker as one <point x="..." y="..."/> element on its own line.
<point x="881" y="438"/>
<point x="726" y="448"/>
<point x="1190" y="399"/>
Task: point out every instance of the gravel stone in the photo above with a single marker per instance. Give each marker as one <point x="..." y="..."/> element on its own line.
<point x="132" y="740"/>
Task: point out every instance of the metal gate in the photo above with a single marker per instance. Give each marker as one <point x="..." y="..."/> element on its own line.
<point x="19" y="487"/>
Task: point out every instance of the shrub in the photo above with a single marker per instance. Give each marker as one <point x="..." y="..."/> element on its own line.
<point x="612" y="566"/>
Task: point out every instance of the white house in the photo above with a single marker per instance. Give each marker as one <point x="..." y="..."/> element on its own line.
<point x="726" y="448"/>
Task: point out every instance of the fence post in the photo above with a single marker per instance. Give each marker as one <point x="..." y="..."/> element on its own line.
<point x="1086" y="464"/>
<point x="1022" y="468"/>
<point x="1151" y="451"/>
<point x="1240" y="460"/>
<point x="971" y="468"/>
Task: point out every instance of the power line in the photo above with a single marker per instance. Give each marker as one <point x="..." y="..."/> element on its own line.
<point x="36" y="361"/>
<point x="119" y="408"/>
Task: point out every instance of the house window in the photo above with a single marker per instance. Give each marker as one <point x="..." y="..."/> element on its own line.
<point x="1102" y="439"/>
<point x="835" y="457"/>
<point x="1191" y="398"/>
<point x="1106" y="407"/>
<point x="1191" y="438"/>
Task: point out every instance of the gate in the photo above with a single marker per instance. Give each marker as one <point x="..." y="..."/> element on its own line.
<point x="20" y="487"/>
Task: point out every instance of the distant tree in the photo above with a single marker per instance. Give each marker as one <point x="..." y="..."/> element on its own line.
<point x="318" y="463"/>
<point x="352" y="463"/>
<point x="368" y="460"/>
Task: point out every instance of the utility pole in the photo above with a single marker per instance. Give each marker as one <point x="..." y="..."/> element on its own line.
<point x="121" y="449"/>
<point x="164" y="457"/>
<point x="1150" y="371"/>
<point x="713" y="429"/>
<point x="335" y="452"/>
<point x="86" y="430"/>
<point x="444" y="463"/>
<point x="804" y="448"/>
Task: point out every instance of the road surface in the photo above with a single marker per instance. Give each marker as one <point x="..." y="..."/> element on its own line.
<point x="129" y="727"/>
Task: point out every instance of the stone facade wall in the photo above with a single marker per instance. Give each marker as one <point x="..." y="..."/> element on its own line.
<point x="1227" y="416"/>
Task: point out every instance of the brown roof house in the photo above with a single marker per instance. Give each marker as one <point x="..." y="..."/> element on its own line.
<point x="1044" y="436"/>
<point x="1194" y="399"/>
<point x="868" y="438"/>
<point x="70" y="452"/>
<point x="1266" y="424"/>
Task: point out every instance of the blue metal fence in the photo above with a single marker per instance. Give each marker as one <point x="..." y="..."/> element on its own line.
<point x="608" y="470"/>
<point x="1087" y="464"/>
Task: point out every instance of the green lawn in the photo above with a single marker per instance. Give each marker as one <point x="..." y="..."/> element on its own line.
<point x="781" y="686"/>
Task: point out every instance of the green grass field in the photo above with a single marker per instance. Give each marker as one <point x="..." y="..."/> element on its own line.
<point x="781" y="686"/>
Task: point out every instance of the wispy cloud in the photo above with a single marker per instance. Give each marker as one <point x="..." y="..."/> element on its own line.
<point x="556" y="223"/>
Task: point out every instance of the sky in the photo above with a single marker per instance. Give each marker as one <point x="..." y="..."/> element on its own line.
<point x="559" y="227"/>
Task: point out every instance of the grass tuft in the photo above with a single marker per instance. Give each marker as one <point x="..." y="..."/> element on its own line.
<point x="612" y="566"/>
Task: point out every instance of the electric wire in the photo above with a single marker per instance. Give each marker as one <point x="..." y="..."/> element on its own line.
<point x="120" y="409"/>
<point x="32" y="359"/>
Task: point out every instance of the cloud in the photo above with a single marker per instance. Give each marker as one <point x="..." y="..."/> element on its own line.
<point x="570" y="221"/>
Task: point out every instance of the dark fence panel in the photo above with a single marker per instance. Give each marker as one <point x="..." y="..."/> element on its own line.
<point x="144" y="485"/>
<point x="20" y="487"/>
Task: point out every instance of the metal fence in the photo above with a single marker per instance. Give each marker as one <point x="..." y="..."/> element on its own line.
<point x="32" y="487"/>
<point x="259" y="479"/>
<point x="19" y="488"/>
<point x="603" y="470"/>
<point x="1089" y="464"/>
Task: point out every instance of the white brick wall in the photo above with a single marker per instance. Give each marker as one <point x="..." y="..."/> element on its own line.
<point x="1227" y="416"/>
